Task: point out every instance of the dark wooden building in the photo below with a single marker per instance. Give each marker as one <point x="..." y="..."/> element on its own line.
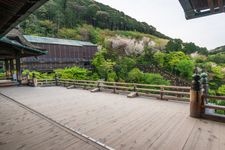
<point x="61" y="53"/>
<point x="13" y="48"/>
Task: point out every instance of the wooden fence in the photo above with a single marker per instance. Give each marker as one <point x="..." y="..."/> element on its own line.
<point x="213" y="106"/>
<point x="159" y="91"/>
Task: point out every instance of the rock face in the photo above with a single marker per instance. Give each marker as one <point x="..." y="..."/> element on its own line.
<point x="130" y="46"/>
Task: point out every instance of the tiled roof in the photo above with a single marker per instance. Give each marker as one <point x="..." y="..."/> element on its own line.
<point x="48" y="40"/>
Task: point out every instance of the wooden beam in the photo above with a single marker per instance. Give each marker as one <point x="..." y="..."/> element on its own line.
<point x="211" y="5"/>
<point x="221" y="5"/>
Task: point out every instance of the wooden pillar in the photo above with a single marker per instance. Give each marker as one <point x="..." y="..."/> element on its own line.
<point x="196" y="97"/>
<point x="7" y="68"/>
<point x="18" y="69"/>
<point x="11" y="67"/>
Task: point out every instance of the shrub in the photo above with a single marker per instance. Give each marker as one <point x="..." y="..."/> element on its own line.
<point x="38" y="75"/>
<point x="135" y="75"/>
<point x="159" y="58"/>
<point x="221" y="90"/>
<point x="157" y="79"/>
<point x="185" y="68"/>
<point x="73" y="73"/>
<point x="111" y="77"/>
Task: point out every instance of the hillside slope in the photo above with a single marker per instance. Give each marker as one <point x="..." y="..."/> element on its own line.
<point x="220" y="49"/>
<point x="58" y="14"/>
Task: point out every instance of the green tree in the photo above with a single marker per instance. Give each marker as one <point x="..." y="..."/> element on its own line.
<point x="173" y="58"/>
<point x="159" y="58"/>
<point x="185" y="68"/>
<point x="102" y="65"/>
<point x="174" y="45"/>
<point x="124" y="66"/>
<point x="68" y="33"/>
<point x="135" y="75"/>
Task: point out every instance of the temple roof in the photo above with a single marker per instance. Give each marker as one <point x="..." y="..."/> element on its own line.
<point x="201" y="8"/>
<point x="15" y="11"/>
<point x="14" y="44"/>
<point x="57" y="41"/>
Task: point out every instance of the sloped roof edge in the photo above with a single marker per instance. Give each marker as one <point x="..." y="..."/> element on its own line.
<point x="48" y="40"/>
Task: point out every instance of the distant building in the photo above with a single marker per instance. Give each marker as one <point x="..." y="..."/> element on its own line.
<point x="61" y="53"/>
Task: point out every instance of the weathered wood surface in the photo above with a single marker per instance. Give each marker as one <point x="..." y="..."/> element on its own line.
<point x="123" y="123"/>
<point x="22" y="130"/>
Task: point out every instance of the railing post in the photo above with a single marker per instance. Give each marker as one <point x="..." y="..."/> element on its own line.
<point x="135" y="87"/>
<point x="205" y="86"/>
<point x="161" y="93"/>
<point x="195" y="97"/>
<point x="85" y="85"/>
<point x="34" y="79"/>
<point x="98" y="85"/>
<point x="56" y="80"/>
<point x="114" y="88"/>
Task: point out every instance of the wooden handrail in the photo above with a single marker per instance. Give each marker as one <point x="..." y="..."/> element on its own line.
<point x="217" y="107"/>
<point x="159" y="91"/>
<point x="215" y="97"/>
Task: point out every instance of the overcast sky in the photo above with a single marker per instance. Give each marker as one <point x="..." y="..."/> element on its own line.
<point x="168" y="17"/>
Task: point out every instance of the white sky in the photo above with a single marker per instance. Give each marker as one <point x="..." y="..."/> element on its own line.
<point x="168" y="17"/>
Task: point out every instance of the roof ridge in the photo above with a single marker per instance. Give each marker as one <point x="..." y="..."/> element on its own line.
<point x="51" y="40"/>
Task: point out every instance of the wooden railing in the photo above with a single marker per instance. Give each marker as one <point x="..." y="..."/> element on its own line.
<point x="159" y="91"/>
<point x="213" y="106"/>
<point x="197" y="95"/>
<point x="46" y="82"/>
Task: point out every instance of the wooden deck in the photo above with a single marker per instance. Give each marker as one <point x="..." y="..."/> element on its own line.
<point x="21" y="129"/>
<point x="115" y="120"/>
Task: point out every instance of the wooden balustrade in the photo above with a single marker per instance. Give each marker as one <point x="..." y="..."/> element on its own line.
<point x="197" y="106"/>
<point x="46" y="82"/>
<point x="159" y="91"/>
<point x="212" y="106"/>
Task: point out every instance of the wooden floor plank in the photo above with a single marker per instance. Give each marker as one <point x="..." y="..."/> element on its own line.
<point x="119" y="122"/>
<point x="203" y="136"/>
<point x="24" y="133"/>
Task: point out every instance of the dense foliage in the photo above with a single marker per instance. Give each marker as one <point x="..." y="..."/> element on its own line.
<point x="123" y="69"/>
<point x="54" y="17"/>
<point x="75" y="73"/>
<point x="187" y="48"/>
